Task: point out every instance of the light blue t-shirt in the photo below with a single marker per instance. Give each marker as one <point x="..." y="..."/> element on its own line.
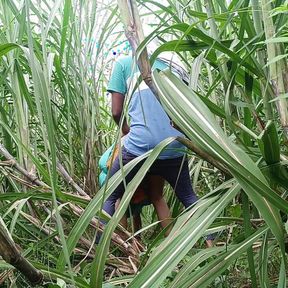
<point x="149" y="124"/>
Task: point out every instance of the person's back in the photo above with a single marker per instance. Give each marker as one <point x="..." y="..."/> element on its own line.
<point x="149" y="124"/>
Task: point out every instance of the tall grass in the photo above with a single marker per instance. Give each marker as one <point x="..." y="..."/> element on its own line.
<point x="55" y="123"/>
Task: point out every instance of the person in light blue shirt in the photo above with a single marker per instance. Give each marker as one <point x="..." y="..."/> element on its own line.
<point x="149" y="125"/>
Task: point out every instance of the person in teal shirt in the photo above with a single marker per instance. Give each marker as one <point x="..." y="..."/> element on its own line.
<point x="148" y="126"/>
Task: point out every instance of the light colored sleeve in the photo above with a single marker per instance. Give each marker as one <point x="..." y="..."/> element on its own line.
<point x="117" y="81"/>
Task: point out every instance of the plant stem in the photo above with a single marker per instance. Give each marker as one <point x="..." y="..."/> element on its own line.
<point x="10" y="254"/>
<point x="134" y="33"/>
<point x="278" y="70"/>
<point x="257" y="20"/>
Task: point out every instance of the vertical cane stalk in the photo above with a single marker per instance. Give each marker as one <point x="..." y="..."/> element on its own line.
<point x="277" y="69"/>
<point x="134" y="33"/>
<point x="257" y="20"/>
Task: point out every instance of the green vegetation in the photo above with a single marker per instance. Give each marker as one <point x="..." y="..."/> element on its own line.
<point x="55" y="123"/>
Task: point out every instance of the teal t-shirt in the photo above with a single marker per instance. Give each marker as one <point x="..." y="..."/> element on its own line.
<point x="149" y="123"/>
<point x="103" y="165"/>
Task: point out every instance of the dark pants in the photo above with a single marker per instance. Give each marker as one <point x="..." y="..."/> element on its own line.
<point x="174" y="171"/>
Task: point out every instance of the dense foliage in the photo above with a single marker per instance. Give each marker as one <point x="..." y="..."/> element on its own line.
<point x="55" y="123"/>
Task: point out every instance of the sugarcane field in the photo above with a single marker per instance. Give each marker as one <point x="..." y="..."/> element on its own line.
<point x="143" y="143"/>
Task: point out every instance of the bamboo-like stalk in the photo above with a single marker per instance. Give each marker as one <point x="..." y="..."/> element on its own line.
<point x="71" y="181"/>
<point x="11" y="255"/>
<point x="134" y="33"/>
<point x="278" y="70"/>
<point x="130" y="249"/>
<point x="18" y="167"/>
<point x="205" y="156"/>
<point x="257" y="20"/>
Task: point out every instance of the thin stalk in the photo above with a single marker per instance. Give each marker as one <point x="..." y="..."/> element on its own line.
<point x="257" y="20"/>
<point x="134" y="33"/>
<point x="248" y="232"/>
<point x="278" y="70"/>
<point x="12" y="162"/>
<point x="204" y="155"/>
<point x="10" y="254"/>
<point x="245" y="129"/>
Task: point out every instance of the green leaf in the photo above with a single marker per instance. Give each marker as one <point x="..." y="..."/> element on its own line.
<point x="194" y="262"/>
<point x="103" y="248"/>
<point x="5" y="48"/>
<point x="187" y="230"/>
<point x="269" y="143"/>
<point x="204" y="276"/>
<point x="65" y="24"/>
<point x="94" y="207"/>
<point x="195" y="119"/>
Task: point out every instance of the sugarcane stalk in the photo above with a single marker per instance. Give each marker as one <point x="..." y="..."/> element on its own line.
<point x="203" y="155"/>
<point x="19" y="168"/>
<point x="11" y="255"/>
<point x="278" y="70"/>
<point x="71" y="181"/>
<point x="257" y="20"/>
<point x="129" y="248"/>
<point x="134" y="33"/>
<point x="19" y="101"/>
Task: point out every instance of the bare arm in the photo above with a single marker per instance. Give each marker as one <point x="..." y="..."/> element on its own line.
<point x="117" y="109"/>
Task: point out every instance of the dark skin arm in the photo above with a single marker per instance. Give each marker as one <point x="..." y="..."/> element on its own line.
<point x="117" y="109"/>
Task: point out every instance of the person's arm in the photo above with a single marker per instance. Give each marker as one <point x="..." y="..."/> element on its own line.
<point x="117" y="110"/>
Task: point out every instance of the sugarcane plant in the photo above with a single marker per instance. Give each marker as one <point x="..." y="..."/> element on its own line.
<point x="56" y="59"/>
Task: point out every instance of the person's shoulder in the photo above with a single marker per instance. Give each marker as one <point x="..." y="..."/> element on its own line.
<point x="125" y="60"/>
